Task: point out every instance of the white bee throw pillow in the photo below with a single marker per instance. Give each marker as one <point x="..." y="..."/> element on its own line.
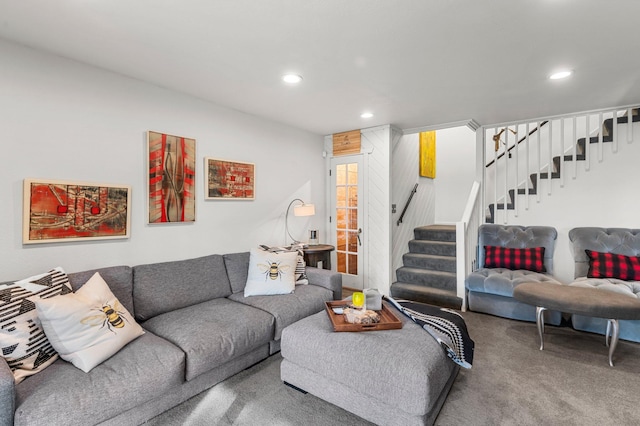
<point x="89" y="326"/>
<point x="271" y="273"/>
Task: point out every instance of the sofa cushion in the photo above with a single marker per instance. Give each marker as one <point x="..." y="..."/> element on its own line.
<point x="213" y="332"/>
<point x="502" y="281"/>
<point x="611" y="265"/>
<point x="88" y="326"/>
<point x="237" y="268"/>
<point x="119" y="279"/>
<point x="23" y="342"/>
<point x="164" y="287"/>
<point x="530" y="258"/>
<point x="289" y="308"/>
<point x="143" y="370"/>
<point x="628" y="288"/>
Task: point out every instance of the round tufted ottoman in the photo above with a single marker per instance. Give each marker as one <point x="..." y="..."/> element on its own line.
<point x="389" y="377"/>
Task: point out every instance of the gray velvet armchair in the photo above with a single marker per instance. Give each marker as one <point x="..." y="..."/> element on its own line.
<point x="490" y="289"/>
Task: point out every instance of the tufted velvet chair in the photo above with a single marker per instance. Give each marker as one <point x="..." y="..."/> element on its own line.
<point x="605" y="240"/>
<point x="490" y="290"/>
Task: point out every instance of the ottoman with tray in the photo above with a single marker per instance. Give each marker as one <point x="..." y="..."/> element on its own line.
<point x="390" y="377"/>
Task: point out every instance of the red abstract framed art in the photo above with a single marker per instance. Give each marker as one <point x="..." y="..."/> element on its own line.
<point x="171" y="178"/>
<point x="65" y="211"/>
<point x="229" y="180"/>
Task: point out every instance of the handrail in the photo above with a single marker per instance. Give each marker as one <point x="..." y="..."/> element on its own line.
<point x="406" y="206"/>
<point x="517" y="143"/>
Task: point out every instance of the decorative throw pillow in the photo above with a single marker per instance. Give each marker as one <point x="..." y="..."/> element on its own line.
<point x="610" y="265"/>
<point x="531" y="259"/>
<point x="301" y="269"/>
<point x="22" y="340"/>
<point x="271" y="273"/>
<point x="88" y="326"/>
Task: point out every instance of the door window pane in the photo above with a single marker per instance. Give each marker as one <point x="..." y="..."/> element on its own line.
<point x="353" y="264"/>
<point x="341" y="218"/>
<point x="353" y="196"/>
<point x="341" y="174"/>
<point x="341" y="196"/>
<point x="353" y="173"/>
<point x="342" y="262"/>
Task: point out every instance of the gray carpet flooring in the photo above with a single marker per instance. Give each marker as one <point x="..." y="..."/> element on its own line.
<point x="511" y="383"/>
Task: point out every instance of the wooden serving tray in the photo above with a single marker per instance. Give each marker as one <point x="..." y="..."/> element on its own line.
<point x="388" y="320"/>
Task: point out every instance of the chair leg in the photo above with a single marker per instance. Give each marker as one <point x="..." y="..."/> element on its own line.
<point x="614" y="338"/>
<point x="540" y="322"/>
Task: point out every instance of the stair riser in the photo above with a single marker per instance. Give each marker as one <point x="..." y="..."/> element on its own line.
<point x="434" y="235"/>
<point x="426" y="278"/>
<point x="437" y="264"/>
<point x="424" y="295"/>
<point x="442" y="249"/>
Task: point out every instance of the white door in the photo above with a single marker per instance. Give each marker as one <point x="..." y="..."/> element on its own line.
<point x="347" y="233"/>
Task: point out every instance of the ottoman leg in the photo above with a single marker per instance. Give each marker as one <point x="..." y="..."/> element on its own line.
<point x="540" y="322"/>
<point x="615" y="326"/>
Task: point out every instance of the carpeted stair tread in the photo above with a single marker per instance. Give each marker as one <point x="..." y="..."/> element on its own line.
<point x="437" y="279"/>
<point x="433" y="296"/>
<point x="429" y="262"/>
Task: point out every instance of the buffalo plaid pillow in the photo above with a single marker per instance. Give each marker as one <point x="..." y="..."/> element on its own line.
<point x="610" y="265"/>
<point x="531" y="259"/>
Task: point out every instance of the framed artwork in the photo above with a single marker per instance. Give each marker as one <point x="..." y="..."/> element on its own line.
<point x="66" y="211"/>
<point x="428" y="154"/>
<point x="171" y="178"/>
<point x="229" y="180"/>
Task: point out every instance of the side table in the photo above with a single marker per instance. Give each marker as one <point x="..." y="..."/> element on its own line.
<point x="318" y="253"/>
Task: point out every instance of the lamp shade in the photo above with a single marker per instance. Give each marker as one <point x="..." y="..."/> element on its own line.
<point x="304" y="210"/>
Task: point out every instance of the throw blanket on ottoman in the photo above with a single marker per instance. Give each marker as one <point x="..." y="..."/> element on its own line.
<point x="444" y="325"/>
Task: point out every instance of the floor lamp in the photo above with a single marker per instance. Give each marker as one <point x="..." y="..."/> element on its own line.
<point x="301" y="209"/>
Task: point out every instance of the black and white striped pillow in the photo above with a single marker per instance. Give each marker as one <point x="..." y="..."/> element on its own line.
<point x="22" y="340"/>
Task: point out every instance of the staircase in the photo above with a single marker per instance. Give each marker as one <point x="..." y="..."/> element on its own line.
<point x="557" y="163"/>
<point x="429" y="271"/>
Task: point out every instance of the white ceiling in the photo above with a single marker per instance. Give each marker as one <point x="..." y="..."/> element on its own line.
<point x="413" y="63"/>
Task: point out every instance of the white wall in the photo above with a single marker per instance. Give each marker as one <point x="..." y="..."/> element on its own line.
<point x="421" y="212"/>
<point x="455" y="172"/>
<point x="64" y="120"/>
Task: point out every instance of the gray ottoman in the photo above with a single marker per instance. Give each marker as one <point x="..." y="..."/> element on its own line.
<point x="389" y="377"/>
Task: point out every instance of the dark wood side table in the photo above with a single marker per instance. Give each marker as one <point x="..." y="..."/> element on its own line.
<point x="318" y="252"/>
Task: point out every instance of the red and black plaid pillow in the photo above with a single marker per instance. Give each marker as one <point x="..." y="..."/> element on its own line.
<point x="531" y="259"/>
<point x="610" y="265"/>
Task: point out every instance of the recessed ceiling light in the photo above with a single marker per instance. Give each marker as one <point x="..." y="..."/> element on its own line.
<point x="366" y="115"/>
<point x="292" y="78"/>
<point x="560" y="75"/>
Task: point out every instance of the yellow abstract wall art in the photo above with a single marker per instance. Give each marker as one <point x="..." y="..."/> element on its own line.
<point x="428" y="154"/>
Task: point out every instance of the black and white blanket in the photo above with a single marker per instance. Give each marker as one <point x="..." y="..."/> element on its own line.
<point x="446" y="326"/>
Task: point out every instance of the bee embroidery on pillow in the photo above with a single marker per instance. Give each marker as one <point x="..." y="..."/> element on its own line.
<point x="272" y="270"/>
<point x="110" y="316"/>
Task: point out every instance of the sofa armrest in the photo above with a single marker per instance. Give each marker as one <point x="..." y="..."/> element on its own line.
<point x="7" y="394"/>
<point x="326" y="278"/>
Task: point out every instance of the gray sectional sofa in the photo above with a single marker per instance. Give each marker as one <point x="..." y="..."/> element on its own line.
<point x="199" y="330"/>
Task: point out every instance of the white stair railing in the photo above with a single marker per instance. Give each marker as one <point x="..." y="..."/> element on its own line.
<point x="516" y="150"/>
<point x="466" y="241"/>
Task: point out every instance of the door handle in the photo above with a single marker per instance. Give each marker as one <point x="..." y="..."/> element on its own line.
<point x="358" y="234"/>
